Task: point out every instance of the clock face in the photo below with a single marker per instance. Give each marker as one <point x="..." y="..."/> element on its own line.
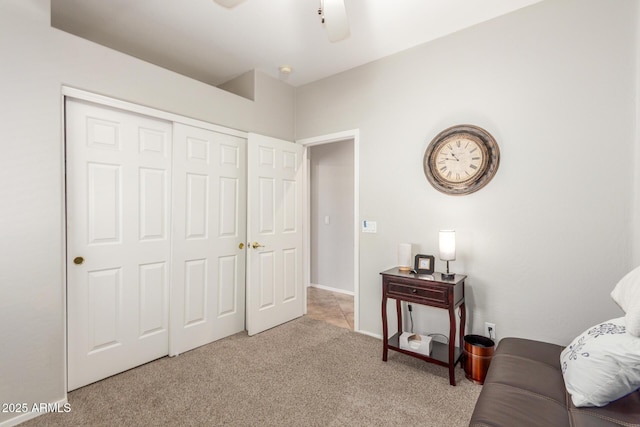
<point x="461" y="159"/>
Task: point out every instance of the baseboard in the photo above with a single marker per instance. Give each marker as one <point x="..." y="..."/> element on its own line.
<point x="58" y="405"/>
<point x="329" y="288"/>
<point x="370" y="334"/>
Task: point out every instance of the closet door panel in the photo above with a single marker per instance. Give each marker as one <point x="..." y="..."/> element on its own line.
<point x="209" y="230"/>
<point x="118" y="247"/>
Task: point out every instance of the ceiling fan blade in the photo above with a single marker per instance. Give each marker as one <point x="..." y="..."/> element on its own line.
<point x="335" y="20"/>
<point x="228" y="3"/>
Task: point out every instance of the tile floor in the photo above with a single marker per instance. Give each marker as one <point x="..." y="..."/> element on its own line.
<point x="331" y="307"/>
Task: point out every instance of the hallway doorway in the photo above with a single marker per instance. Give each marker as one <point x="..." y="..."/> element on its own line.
<point x="331" y="265"/>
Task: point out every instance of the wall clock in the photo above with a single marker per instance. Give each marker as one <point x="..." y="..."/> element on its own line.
<point x="461" y="159"/>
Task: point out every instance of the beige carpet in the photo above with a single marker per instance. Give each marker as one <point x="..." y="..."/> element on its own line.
<point x="303" y="373"/>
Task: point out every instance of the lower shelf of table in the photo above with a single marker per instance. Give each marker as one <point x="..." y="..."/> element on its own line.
<point x="439" y="352"/>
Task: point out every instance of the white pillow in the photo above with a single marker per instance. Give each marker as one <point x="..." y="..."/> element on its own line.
<point x="602" y="364"/>
<point x="627" y="295"/>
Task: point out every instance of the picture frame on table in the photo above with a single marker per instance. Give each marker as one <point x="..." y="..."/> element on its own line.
<point x="424" y="264"/>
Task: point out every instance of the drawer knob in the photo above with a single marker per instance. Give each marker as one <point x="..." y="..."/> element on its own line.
<point x="413" y="291"/>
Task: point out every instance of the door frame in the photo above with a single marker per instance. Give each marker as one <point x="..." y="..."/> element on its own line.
<point x="347" y="135"/>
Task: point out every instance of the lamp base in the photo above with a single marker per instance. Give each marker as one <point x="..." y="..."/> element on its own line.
<point x="448" y="276"/>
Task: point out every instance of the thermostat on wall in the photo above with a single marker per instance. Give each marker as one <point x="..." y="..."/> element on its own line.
<point x="369" y="226"/>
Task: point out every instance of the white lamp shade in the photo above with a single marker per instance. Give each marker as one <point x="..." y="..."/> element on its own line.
<point x="447" y="244"/>
<point x="404" y="256"/>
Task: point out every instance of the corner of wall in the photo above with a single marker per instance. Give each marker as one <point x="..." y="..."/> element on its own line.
<point x="274" y="102"/>
<point x="243" y="85"/>
<point x="635" y="215"/>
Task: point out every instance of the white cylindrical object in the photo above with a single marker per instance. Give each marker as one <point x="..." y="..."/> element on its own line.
<point x="447" y="244"/>
<point x="404" y="256"/>
<point x="335" y="20"/>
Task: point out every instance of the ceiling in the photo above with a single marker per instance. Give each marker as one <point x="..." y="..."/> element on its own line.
<point x="210" y="43"/>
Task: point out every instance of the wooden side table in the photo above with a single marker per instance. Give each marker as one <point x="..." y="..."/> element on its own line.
<point x="433" y="291"/>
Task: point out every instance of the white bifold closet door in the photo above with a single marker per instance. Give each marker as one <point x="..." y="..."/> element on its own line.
<point x="156" y="224"/>
<point x="118" y="240"/>
<point x="209" y="235"/>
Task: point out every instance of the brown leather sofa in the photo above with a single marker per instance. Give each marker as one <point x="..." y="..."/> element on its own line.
<point x="524" y="387"/>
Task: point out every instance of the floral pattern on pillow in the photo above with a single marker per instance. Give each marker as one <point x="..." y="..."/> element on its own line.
<point x="595" y="332"/>
<point x="602" y="364"/>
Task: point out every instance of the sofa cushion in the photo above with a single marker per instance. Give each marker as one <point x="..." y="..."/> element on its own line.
<point x="528" y="375"/>
<point x="542" y="352"/>
<point x="524" y="386"/>
<point x="621" y="412"/>
<point x="503" y="405"/>
<point x="602" y="364"/>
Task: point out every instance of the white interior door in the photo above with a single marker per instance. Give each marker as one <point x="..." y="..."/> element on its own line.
<point x="118" y="246"/>
<point x="275" y="292"/>
<point x="209" y="236"/>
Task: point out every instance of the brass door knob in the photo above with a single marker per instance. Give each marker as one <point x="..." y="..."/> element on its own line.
<point x="257" y="245"/>
<point x="78" y="260"/>
<point x="241" y="246"/>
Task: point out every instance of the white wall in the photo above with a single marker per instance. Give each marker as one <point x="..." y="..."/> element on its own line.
<point x="636" y="189"/>
<point x="36" y="61"/>
<point x="545" y="242"/>
<point x="331" y="170"/>
<point x="273" y="113"/>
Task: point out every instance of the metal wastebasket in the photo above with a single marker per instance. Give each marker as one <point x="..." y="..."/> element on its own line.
<point x="478" y="351"/>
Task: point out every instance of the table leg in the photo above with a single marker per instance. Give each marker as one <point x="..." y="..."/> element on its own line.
<point x="463" y="320"/>
<point x="452" y="341"/>
<point x="385" y="342"/>
<point x="399" y="313"/>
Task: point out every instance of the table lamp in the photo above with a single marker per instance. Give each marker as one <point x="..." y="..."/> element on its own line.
<point x="447" y="244"/>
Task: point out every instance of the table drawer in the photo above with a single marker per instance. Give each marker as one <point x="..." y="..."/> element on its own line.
<point x="437" y="295"/>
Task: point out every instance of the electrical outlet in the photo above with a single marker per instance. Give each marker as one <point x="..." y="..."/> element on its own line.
<point x="490" y="330"/>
